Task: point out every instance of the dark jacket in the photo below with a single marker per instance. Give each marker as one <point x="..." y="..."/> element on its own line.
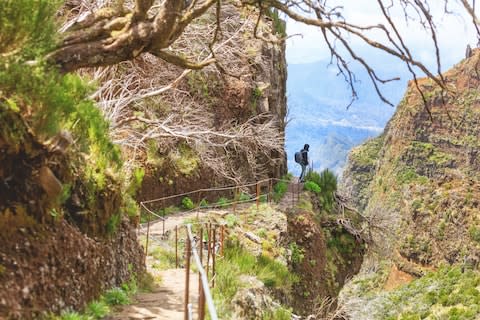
<point x="304" y="157"/>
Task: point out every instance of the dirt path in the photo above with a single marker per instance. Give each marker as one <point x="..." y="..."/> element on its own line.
<point x="290" y="196"/>
<point x="165" y="302"/>
<point x="156" y="228"/>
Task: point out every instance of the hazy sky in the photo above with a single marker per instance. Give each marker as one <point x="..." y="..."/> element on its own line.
<point x="454" y="32"/>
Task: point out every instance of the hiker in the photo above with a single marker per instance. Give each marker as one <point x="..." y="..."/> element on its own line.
<point x="301" y="157"/>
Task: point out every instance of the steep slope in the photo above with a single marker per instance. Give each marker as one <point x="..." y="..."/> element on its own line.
<point x="254" y="83"/>
<point x="425" y="173"/>
<point x="419" y="183"/>
<point x="66" y="211"/>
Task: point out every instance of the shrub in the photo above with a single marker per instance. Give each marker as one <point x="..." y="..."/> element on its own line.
<point x="98" y="309"/>
<point x="203" y="203"/>
<point x="116" y="296"/>
<point x="297" y="253"/>
<point x="112" y="223"/>
<point x="187" y="203"/>
<point x="279" y="190"/>
<point x="244" y="197"/>
<point x="327" y="181"/>
<point x="474" y="233"/>
<point x="222" y="201"/>
<point x="312" y="186"/>
<point x="231" y="220"/>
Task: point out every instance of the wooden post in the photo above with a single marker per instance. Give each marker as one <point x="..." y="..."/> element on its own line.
<point x="187" y="276"/>
<point x="176" y="247"/>
<point x="222" y="238"/>
<point x="163" y="227"/>
<point x="214" y="253"/>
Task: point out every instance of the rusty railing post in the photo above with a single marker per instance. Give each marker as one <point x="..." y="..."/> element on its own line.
<point x="176" y="247"/>
<point x="214" y="253"/>
<point x="187" y="276"/>
<point x="222" y="238"/>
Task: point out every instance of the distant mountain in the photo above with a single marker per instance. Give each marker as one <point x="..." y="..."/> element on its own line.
<point x="317" y="104"/>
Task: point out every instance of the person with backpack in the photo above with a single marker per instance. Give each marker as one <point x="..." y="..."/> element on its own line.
<point x="301" y="157"/>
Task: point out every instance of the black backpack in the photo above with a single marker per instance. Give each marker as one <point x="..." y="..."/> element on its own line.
<point x="298" y="157"/>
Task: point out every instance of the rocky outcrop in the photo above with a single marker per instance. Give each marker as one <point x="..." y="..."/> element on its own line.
<point x="324" y="255"/>
<point x="425" y="184"/>
<point x="64" y="238"/>
<point x="51" y="268"/>
<point x="259" y="88"/>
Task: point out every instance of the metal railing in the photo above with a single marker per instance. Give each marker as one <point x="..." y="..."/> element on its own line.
<point x="214" y="245"/>
<point x="204" y="287"/>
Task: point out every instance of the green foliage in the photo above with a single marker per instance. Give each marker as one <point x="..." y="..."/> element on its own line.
<point x="168" y="210"/>
<point x="445" y="294"/>
<point x="408" y="175"/>
<point x="27" y="27"/>
<point x="164" y="258"/>
<point x="244" y="197"/>
<point x="474" y="233"/>
<point x="187" y="203"/>
<point x="116" y="296"/>
<point x="312" y="186"/>
<point x="297" y="253"/>
<point x="222" y="201"/>
<point x="71" y="315"/>
<point x="279" y="190"/>
<point x="263" y="198"/>
<point x="98" y="309"/>
<point x="66" y="192"/>
<point x="279" y="25"/>
<point x="136" y="181"/>
<point x="231" y="220"/>
<point x="366" y="154"/>
<point x="279" y="313"/>
<point x="238" y="261"/>
<point x="184" y="159"/>
<point x="203" y="203"/>
<point x="112" y="224"/>
<point x="327" y="181"/>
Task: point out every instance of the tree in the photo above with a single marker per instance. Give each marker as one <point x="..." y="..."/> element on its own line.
<point x="118" y="33"/>
<point x="155" y="107"/>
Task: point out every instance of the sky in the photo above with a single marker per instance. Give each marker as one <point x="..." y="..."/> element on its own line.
<point x="454" y="31"/>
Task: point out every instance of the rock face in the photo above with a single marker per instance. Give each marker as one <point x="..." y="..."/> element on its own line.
<point x="63" y="242"/>
<point x="261" y="89"/>
<point x="324" y="256"/>
<point x="57" y="267"/>
<point x="420" y="180"/>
